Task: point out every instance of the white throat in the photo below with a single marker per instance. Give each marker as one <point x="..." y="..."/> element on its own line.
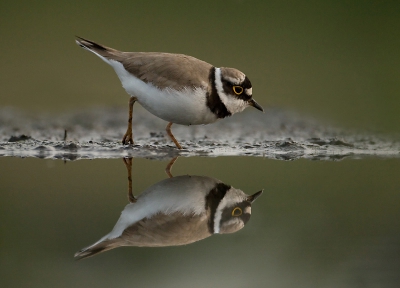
<point x="231" y="103"/>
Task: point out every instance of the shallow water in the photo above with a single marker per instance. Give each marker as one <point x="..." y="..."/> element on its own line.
<point x="317" y="224"/>
<point x="96" y="134"/>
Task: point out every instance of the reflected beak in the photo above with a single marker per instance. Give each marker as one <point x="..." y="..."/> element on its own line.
<point x="255" y="105"/>
<point x="253" y="197"/>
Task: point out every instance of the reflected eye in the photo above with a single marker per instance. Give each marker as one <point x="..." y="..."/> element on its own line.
<point x="236" y="212"/>
<point x="237" y="89"/>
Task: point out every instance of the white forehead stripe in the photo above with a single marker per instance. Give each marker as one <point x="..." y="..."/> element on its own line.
<point x="249" y="91"/>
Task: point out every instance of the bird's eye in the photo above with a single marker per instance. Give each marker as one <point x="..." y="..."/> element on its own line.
<point x="236" y="212"/>
<point x="238" y="90"/>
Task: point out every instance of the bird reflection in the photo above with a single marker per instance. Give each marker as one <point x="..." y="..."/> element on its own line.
<point x="176" y="211"/>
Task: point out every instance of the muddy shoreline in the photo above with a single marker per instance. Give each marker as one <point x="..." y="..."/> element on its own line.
<point x="96" y="133"/>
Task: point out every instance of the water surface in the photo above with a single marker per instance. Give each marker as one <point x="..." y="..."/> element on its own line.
<point x="317" y="224"/>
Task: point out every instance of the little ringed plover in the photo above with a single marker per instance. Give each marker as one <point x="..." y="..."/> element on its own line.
<point x="177" y="211"/>
<point x="175" y="87"/>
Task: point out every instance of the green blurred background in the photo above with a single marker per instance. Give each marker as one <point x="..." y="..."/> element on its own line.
<point x="318" y="224"/>
<point x="334" y="60"/>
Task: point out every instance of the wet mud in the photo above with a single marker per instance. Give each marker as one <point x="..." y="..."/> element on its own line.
<point x="97" y="133"/>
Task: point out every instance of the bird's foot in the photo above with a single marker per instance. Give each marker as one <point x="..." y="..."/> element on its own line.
<point x="128" y="139"/>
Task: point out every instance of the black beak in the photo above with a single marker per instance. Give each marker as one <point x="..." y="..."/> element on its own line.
<point x="253" y="197"/>
<point x="255" y="105"/>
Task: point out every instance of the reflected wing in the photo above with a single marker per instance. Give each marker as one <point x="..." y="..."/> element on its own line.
<point x="166" y="230"/>
<point x="158" y="231"/>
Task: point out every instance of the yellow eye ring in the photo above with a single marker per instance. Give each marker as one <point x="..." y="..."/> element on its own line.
<point x="237" y="89"/>
<point x="236" y="212"/>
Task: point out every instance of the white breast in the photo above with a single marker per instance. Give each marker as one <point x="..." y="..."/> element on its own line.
<point x="186" y="107"/>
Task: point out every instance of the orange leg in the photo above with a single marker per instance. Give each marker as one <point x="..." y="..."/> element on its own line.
<point x="172" y="136"/>
<point x="128" y="165"/>
<point x="169" y="167"/>
<point x="128" y="135"/>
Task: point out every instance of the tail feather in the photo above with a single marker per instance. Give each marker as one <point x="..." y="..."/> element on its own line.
<point x="98" y="49"/>
<point x="96" y="249"/>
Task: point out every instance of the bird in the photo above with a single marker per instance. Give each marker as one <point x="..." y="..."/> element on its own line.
<point x="177" y="211"/>
<point x="177" y="88"/>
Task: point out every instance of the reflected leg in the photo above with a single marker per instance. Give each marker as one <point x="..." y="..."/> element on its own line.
<point x="172" y="136"/>
<point x="169" y="167"/>
<point x="128" y="165"/>
<point x="128" y="135"/>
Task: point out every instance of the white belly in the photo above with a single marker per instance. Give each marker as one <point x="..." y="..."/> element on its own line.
<point x="186" y="107"/>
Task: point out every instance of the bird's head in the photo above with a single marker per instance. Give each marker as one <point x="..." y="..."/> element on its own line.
<point x="235" y="90"/>
<point x="233" y="211"/>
